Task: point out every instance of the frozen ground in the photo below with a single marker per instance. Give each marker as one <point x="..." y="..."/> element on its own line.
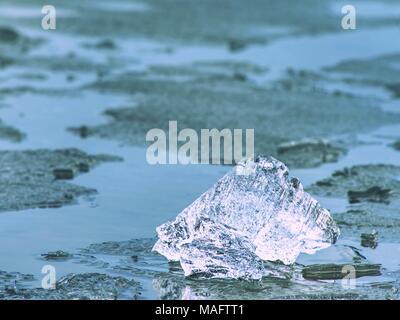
<point x="118" y="68"/>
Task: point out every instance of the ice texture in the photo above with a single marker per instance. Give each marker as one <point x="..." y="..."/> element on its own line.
<point x="255" y="212"/>
<point x="227" y="254"/>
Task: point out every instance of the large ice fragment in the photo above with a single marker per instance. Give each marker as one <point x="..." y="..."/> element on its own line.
<point x="254" y="212"/>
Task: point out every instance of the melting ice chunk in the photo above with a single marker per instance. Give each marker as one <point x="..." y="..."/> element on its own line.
<point x="253" y="213"/>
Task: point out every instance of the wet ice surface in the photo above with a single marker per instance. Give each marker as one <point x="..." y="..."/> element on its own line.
<point x="84" y="286"/>
<point x="134" y="198"/>
<point x="160" y="279"/>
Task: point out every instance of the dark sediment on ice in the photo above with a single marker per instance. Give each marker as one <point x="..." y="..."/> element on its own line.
<point x="27" y="177"/>
<point x="142" y="246"/>
<point x="308" y="153"/>
<point x="378" y="71"/>
<point x="105" y="44"/>
<point x="373" y="192"/>
<point x="369" y="240"/>
<point x="364" y="218"/>
<point x="58" y="255"/>
<point x="86" y="286"/>
<point x="336" y="271"/>
<point x="396" y="145"/>
<point x="10" y="133"/>
<point x="70" y="62"/>
<point x="277" y="117"/>
<point x="236" y="24"/>
<point x="13" y="44"/>
<point x="358" y="179"/>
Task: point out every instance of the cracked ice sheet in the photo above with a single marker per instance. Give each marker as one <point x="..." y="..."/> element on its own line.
<point x="248" y="216"/>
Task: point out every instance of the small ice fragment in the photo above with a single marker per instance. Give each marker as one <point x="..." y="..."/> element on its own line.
<point x="57" y="255"/>
<point x="370" y="240"/>
<point x="261" y="213"/>
<point x="63" y="174"/>
<point x="373" y="194"/>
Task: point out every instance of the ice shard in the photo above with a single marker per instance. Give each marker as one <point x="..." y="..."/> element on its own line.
<point x="255" y="212"/>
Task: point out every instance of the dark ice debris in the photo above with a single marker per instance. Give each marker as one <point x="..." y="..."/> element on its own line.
<point x="57" y="255"/>
<point x="106" y="44"/>
<point x="345" y="173"/>
<point x="83" y="167"/>
<point x="369" y="240"/>
<point x="309" y="152"/>
<point x="394" y="88"/>
<point x="131" y="248"/>
<point x="82" y="131"/>
<point x="8" y="35"/>
<point x="339" y="271"/>
<point x="70" y="77"/>
<point x="358" y="258"/>
<point x="373" y="194"/>
<point x="11" y="288"/>
<point x="396" y="145"/>
<point x="63" y="174"/>
<point x="240" y="76"/>
<point x="324" y="183"/>
<point x="5" y="61"/>
<point x="235" y="45"/>
<point x="10" y="133"/>
<point x="50" y="204"/>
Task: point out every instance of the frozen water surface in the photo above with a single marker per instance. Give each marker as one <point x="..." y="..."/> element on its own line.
<point x="134" y="198"/>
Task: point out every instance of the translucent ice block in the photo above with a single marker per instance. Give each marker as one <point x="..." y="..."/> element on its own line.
<point x="254" y="212"/>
